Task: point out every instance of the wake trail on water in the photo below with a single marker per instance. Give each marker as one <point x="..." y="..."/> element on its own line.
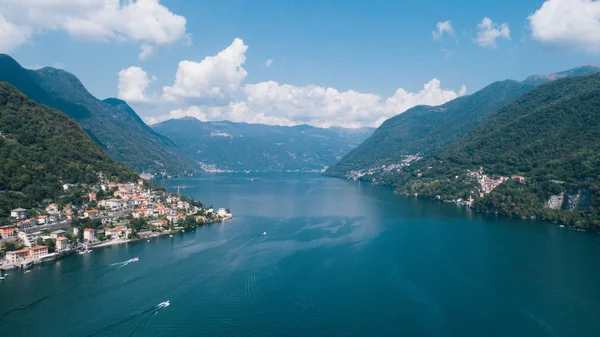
<point x="148" y="313"/>
<point x="35" y="303"/>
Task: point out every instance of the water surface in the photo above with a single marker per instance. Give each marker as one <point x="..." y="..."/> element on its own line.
<point x="339" y="258"/>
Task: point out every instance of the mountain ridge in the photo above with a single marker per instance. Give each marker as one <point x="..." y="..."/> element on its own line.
<point x="240" y="146"/>
<point x="116" y="128"/>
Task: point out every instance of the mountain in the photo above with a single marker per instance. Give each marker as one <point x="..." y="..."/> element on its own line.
<point x="258" y="147"/>
<point x="41" y="149"/>
<point x="551" y="136"/>
<point x="583" y="70"/>
<point x="110" y="123"/>
<point x="423" y="129"/>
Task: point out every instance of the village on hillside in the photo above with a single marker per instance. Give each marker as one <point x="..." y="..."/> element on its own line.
<point x="108" y="213"/>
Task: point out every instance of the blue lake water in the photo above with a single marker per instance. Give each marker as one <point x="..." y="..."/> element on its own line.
<point x="339" y="259"/>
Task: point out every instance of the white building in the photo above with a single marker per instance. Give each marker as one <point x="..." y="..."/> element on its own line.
<point x="18" y="213"/>
<point x="89" y="234"/>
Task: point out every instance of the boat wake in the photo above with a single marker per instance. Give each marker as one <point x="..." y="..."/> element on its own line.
<point x="124" y="263"/>
<point x="147" y="314"/>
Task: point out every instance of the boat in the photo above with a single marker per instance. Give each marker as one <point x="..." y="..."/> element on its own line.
<point x="562" y="226"/>
<point x="135" y="259"/>
<point x="264" y="233"/>
<point x="27" y="271"/>
<point x="148" y="240"/>
<point x="2" y="278"/>
<point x="170" y="235"/>
<point x="163" y="304"/>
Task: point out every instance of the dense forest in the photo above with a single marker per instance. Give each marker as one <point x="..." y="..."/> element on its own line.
<point x="41" y="149"/>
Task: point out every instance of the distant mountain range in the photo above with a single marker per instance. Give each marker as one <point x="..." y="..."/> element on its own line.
<point x="257" y="147"/>
<point x="424" y="129"/>
<point x="41" y="149"/>
<point x="111" y="123"/>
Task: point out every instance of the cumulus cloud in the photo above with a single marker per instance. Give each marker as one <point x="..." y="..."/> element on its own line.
<point x="488" y="32"/>
<point x="145" y="51"/>
<point x="268" y="63"/>
<point x="568" y="24"/>
<point x="216" y="76"/>
<point x="443" y="27"/>
<point x="11" y="36"/>
<point x="133" y="83"/>
<point x="145" y="21"/>
<point x="284" y="104"/>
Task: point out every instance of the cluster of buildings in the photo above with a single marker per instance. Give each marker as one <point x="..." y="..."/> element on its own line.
<point x="489" y="183"/>
<point x="108" y="202"/>
<point x="384" y="169"/>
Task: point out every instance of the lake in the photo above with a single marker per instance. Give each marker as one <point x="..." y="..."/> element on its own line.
<point x="339" y="258"/>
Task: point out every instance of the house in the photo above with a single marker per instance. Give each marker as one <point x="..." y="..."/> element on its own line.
<point x="69" y="215"/>
<point x="222" y="212"/>
<point x="41" y="219"/>
<point x="89" y="234"/>
<point x="27" y="254"/>
<point x="17" y="255"/>
<point x="58" y="234"/>
<point x="92" y="196"/>
<point x="90" y="213"/>
<point x="113" y="204"/>
<point x="520" y="179"/>
<point x="140" y="182"/>
<point x="37" y="252"/>
<point x="62" y="243"/>
<point x="7" y="232"/>
<point x="119" y="231"/>
<point x="18" y="213"/>
<point x="158" y="223"/>
<point x="52" y="209"/>
<point x="75" y="231"/>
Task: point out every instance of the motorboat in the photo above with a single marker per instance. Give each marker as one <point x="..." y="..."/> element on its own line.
<point x="163" y="304"/>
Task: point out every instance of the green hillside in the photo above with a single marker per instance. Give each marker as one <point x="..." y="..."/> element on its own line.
<point x="110" y="123"/>
<point x="424" y="129"/>
<point x="41" y="149"/>
<point x="550" y="135"/>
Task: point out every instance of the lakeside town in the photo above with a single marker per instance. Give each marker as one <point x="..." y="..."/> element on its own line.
<point x="107" y="213"/>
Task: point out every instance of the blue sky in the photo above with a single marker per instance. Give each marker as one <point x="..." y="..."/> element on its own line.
<point x="371" y="47"/>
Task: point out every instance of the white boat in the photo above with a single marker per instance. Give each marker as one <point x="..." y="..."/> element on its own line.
<point x="2" y="278"/>
<point x="27" y="271"/>
<point x="135" y="259"/>
<point x="264" y="233"/>
<point x="171" y="235"/>
<point x="163" y="304"/>
<point x="148" y="240"/>
<point x="562" y="226"/>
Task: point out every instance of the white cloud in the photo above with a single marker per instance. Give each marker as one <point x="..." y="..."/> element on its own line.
<point x="488" y="32"/>
<point x="145" y="51"/>
<point x="145" y="21"/>
<point x="568" y="24"/>
<point x="443" y="27"/>
<point x="284" y="104"/>
<point x="133" y="83"/>
<point x="268" y="63"/>
<point x="11" y="36"/>
<point x="216" y="76"/>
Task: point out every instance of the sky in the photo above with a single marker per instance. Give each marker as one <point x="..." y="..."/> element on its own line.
<point x="351" y="63"/>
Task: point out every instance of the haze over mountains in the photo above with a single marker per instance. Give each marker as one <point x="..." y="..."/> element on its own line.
<point x="257" y="147"/>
